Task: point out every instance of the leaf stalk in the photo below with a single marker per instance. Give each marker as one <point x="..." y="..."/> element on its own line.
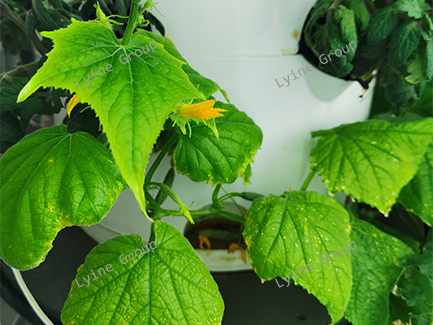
<point x="132" y="23"/>
<point x="307" y="180"/>
<point x="158" y="160"/>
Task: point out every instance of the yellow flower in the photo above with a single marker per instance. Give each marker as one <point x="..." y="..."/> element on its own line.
<point x="74" y="101"/>
<point x="200" y="113"/>
<point x="203" y="111"/>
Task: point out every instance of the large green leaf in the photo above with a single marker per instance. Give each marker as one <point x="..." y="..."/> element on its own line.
<point x="362" y="15"/>
<point x="329" y="37"/>
<point x="429" y="59"/>
<point x="374" y="274"/>
<point x="404" y="41"/>
<point x="287" y="233"/>
<point x="415" y="286"/>
<point x="382" y="23"/>
<point x="316" y="14"/>
<point x="399" y="92"/>
<point x="168" y="285"/>
<point x="10" y="130"/>
<point x="418" y="68"/>
<point x="9" y="92"/>
<point x="346" y="18"/>
<point x="423" y="105"/>
<point x="398" y="310"/>
<point x="51" y="180"/>
<point x="327" y="30"/>
<point x="205" y="85"/>
<point x="416" y="291"/>
<point x="132" y="101"/>
<point x="14" y="117"/>
<point x="371" y="160"/>
<point x="423" y="261"/>
<point x="417" y="196"/>
<point x="205" y="158"/>
<point x="413" y="8"/>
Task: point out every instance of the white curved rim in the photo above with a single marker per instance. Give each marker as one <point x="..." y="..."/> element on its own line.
<point x="30" y="297"/>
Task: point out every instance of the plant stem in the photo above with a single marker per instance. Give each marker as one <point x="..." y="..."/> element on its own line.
<point x="168" y="191"/>
<point x="222" y="213"/>
<point x="158" y="211"/>
<point x="17" y="70"/>
<point x="307" y="180"/>
<point x="7" y="12"/>
<point x="229" y="195"/>
<point x="158" y="160"/>
<point x="132" y="23"/>
<point x="231" y="216"/>
<point x="215" y="201"/>
<point x="335" y="4"/>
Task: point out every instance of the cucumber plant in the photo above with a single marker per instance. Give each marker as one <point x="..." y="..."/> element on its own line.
<point x="71" y="174"/>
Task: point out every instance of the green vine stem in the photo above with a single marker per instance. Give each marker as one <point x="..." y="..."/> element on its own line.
<point x="132" y="23"/>
<point x="307" y="180"/>
<point x="226" y="214"/>
<point x="219" y="212"/>
<point x="158" y="212"/>
<point x="215" y="202"/>
<point x="229" y="195"/>
<point x="167" y="190"/>
<point x="158" y="160"/>
<point x="17" y="71"/>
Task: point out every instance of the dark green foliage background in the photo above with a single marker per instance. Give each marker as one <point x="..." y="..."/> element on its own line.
<point x="394" y="45"/>
<point x="19" y="22"/>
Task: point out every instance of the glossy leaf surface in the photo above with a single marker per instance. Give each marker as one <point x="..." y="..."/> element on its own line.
<point x="285" y="234"/>
<point x="371" y="160"/>
<point x="51" y="180"/>
<point x="374" y="273"/>
<point x="205" y="158"/>
<point x="417" y="196"/>
<point x="132" y="101"/>
<point x="413" y="8"/>
<point x="169" y="285"/>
